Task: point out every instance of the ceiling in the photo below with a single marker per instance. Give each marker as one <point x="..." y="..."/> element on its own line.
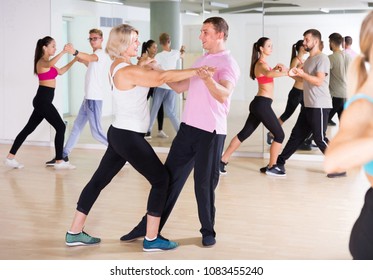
<point x="271" y="7"/>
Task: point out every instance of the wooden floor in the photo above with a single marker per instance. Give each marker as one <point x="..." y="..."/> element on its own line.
<point x="304" y="216"/>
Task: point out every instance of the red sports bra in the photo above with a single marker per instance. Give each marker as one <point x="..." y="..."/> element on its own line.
<point x="264" y="79"/>
<point x="50" y="75"/>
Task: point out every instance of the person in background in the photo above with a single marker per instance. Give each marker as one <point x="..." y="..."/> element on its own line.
<point x="150" y="48"/>
<point x="295" y="96"/>
<point x="167" y="59"/>
<point x="96" y="86"/>
<point x="355" y="137"/>
<point x="317" y="100"/>
<point x="126" y="137"/>
<point x="347" y="47"/>
<point x="339" y="62"/>
<point x="47" y="71"/>
<point x="260" y="108"/>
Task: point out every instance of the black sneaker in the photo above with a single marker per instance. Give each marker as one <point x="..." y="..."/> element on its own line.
<point x="53" y="161"/>
<point x="269" y="138"/>
<point x="134" y="234"/>
<point x="336" y="175"/>
<point x="275" y="171"/>
<point x="263" y="169"/>
<point x="208" y="241"/>
<point x="222" y="168"/>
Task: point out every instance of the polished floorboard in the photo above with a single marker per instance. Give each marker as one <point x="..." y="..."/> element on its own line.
<point x="304" y="216"/>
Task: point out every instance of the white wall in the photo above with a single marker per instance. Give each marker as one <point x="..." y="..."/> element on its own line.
<point x="22" y="24"/>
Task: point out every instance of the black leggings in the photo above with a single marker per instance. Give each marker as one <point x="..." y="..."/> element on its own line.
<point x="125" y="145"/>
<point x="361" y="239"/>
<point x="295" y="98"/>
<point x="261" y="112"/>
<point x="43" y="109"/>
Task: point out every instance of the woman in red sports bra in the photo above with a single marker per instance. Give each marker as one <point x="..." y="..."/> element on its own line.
<point x="47" y="72"/>
<point x="295" y="96"/>
<point x="260" y="108"/>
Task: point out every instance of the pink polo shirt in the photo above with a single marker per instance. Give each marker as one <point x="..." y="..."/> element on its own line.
<point x="201" y="109"/>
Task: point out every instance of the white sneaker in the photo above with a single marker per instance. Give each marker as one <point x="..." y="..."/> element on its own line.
<point x="161" y="134"/>
<point x="13" y="163"/>
<point x="63" y="165"/>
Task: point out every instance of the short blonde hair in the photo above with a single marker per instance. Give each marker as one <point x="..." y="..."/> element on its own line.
<point x="120" y="38"/>
<point x="96" y="31"/>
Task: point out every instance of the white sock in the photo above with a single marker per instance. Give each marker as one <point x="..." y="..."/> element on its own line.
<point x="150" y="239"/>
<point x="70" y="232"/>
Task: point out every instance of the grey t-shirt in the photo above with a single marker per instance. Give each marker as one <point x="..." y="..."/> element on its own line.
<point x="317" y="96"/>
<point x="339" y="62"/>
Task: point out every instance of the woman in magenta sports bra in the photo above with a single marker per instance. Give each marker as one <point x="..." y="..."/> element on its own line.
<point x="47" y="72"/>
<point x="352" y="145"/>
<point x="260" y="108"/>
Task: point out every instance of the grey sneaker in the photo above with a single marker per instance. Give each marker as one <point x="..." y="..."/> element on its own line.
<point x="159" y="244"/>
<point x="275" y="171"/>
<point x="12" y="163"/>
<point x="80" y="239"/>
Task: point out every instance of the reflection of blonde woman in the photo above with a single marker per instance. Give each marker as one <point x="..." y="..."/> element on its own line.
<point x="352" y="145"/>
<point x="126" y="139"/>
<point x="260" y="108"/>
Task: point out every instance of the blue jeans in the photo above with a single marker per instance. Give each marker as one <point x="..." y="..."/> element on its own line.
<point x="167" y="97"/>
<point x="89" y="111"/>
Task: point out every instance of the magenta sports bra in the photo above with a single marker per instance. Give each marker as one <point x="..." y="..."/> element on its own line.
<point x="50" y="75"/>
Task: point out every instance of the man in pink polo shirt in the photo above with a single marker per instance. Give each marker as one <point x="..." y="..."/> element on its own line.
<point x="200" y="140"/>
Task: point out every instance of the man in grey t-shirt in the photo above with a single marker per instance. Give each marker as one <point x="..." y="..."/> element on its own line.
<point x="339" y="62"/>
<point x="313" y="118"/>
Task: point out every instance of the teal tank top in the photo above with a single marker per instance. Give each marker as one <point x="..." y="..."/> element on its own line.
<point x="368" y="167"/>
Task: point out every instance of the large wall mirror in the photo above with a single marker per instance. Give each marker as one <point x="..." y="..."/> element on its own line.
<point x="282" y="21"/>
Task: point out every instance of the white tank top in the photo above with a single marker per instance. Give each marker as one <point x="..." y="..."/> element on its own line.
<point x="131" y="111"/>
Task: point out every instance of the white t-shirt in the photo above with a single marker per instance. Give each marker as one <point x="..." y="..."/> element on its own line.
<point x="96" y="77"/>
<point x="168" y="61"/>
<point x="131" y="109"/>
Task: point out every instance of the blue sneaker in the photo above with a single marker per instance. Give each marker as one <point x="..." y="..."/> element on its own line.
<point x="159" y="244"/>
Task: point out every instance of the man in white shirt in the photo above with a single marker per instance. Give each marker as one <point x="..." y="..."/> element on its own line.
<point x="167" y="59"/>
<point x="95" y="86"/>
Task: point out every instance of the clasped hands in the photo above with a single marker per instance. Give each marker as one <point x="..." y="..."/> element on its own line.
<point x="205" y="72"/>
<point x="296" y="72"/>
